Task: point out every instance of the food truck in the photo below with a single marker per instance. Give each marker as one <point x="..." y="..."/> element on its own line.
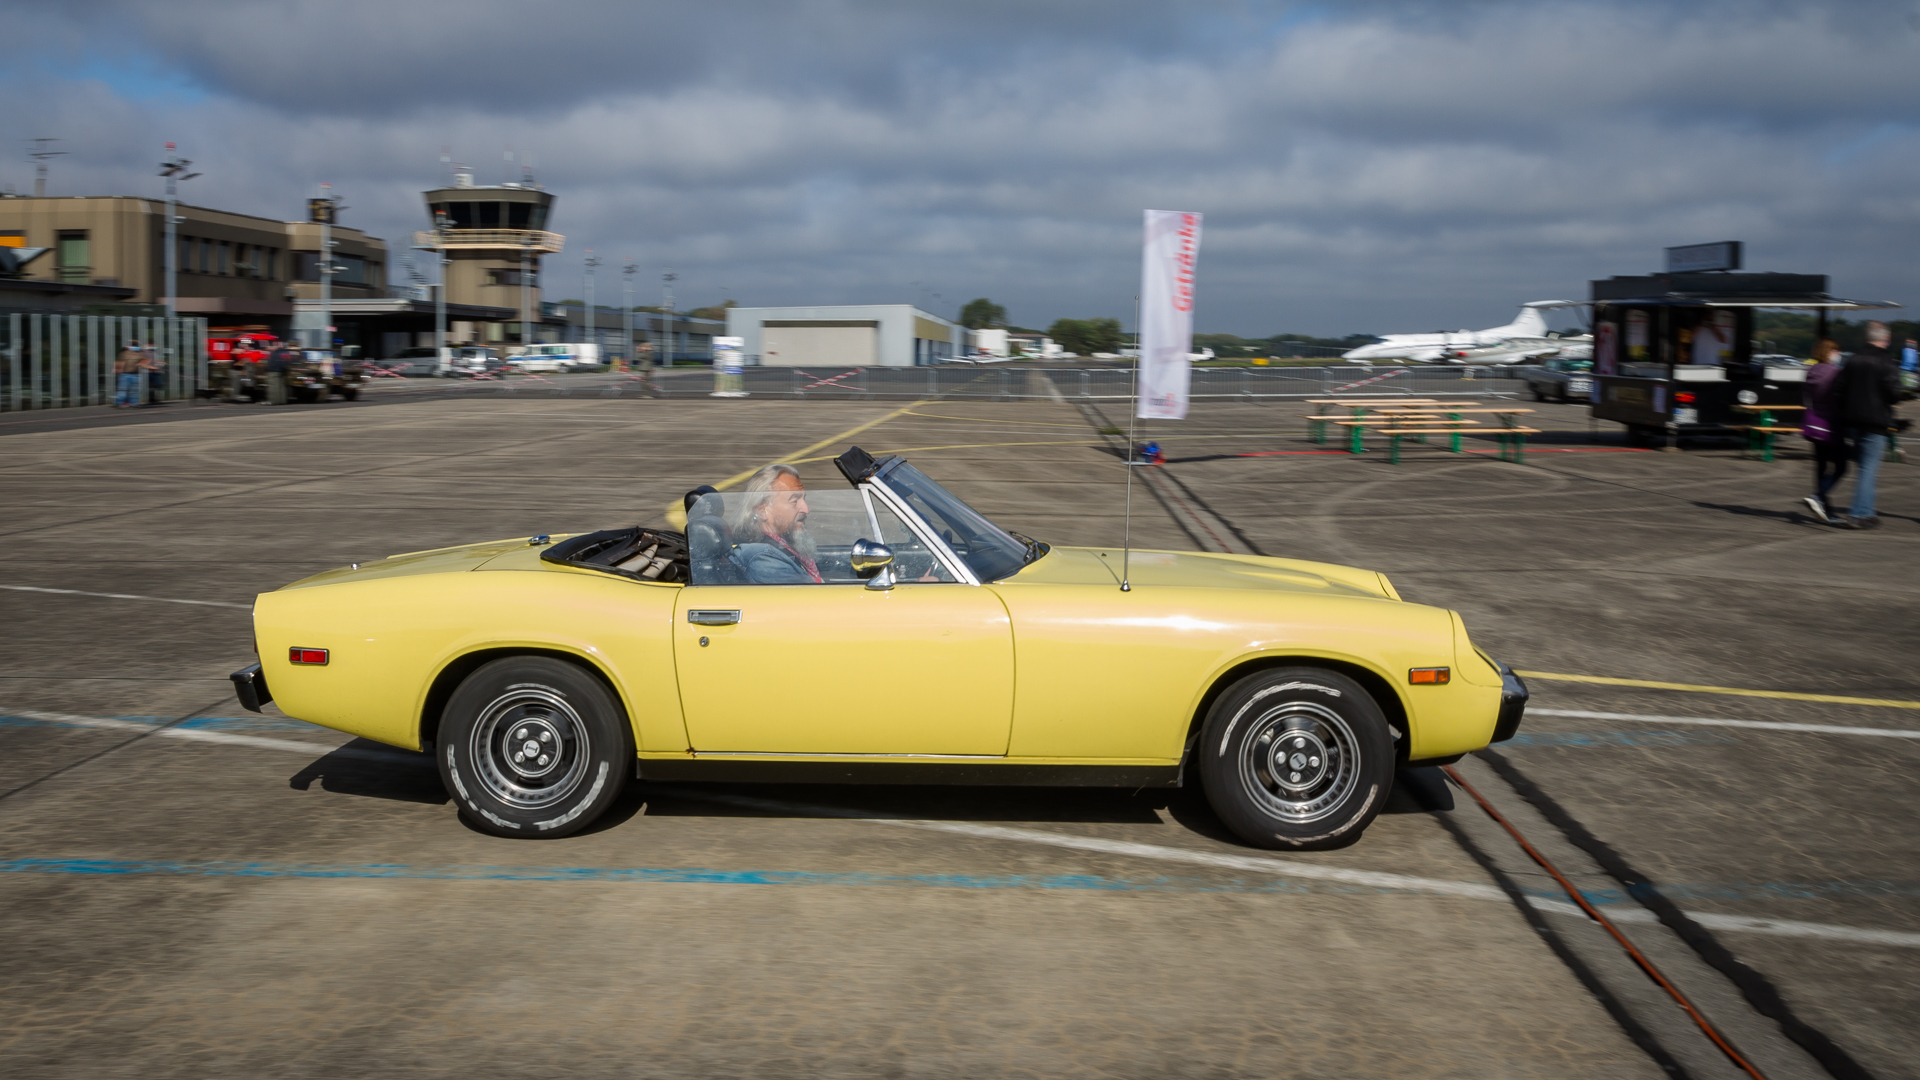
<point x="1673" y="352"/>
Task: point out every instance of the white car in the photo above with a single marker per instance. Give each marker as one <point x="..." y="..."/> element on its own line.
<point x="569" y="356"/>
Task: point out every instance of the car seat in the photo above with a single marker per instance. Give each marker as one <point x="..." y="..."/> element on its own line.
<point x="710" y="542"/>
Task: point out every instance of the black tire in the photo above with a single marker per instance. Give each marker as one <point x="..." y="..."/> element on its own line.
<point x="494" y="728"/>
<point x="351" y="393"/>
<point x="1538" y="394"/>
<point x="1338" y="759"/>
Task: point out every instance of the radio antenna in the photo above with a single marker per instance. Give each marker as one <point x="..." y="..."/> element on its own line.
<point x="1133" y="408"/>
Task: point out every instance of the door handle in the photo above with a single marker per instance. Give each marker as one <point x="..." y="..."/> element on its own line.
<point x="712" y="617"/>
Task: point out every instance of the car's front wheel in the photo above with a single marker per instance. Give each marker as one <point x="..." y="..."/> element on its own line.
<point x="531" y="746"/>
<point x="1296" y="758"/>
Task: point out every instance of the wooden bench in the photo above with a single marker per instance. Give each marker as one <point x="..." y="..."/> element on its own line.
<point x="1394" y="435"/>
<point x="1760" y="437"/>
<point x="1356" y="440"/>
<point x="1513" y="441"/>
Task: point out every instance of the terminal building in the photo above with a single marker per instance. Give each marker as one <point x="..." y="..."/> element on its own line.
<point x="876" y="335"/>
<point x="233" y="268"/>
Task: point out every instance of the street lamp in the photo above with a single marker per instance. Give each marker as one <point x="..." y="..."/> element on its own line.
<point x="327" y="208"/>
<point x="626" y="307"/>
<point x="175" y="170"/>
<point x="439" y="250"/>
<point x="592" y="261"/>
<point x="666" y="289"/>
<point x="526" y="294"/>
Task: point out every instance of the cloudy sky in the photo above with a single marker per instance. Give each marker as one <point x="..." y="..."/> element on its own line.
<point x="1367" y="166"/>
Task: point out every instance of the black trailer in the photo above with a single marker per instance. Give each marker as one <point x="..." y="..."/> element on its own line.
<point x="1673" y="353"/>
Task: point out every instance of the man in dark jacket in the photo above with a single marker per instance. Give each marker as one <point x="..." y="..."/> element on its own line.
<point x="1864" y="396"/>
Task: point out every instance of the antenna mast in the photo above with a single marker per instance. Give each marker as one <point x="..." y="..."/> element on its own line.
<point x="40" y="154"/>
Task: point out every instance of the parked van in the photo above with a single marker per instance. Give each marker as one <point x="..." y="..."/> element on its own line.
<point x="575" y="356"/>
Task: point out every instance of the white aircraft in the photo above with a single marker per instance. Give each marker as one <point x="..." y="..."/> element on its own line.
<point x="1525" y="338"/>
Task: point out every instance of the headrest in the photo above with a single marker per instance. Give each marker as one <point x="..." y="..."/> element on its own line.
<point x="694" y="496"/>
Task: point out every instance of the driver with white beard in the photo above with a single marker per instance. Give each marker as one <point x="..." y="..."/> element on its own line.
<point x="772" y="544"/>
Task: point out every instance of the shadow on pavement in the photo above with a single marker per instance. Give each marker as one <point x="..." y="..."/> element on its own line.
<point x="370" y="770"/>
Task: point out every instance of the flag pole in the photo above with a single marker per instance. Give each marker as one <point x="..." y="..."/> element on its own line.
<point x="1133" y="409"/>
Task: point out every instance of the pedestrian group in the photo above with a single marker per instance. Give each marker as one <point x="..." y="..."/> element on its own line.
<point x="1849" y="418"/>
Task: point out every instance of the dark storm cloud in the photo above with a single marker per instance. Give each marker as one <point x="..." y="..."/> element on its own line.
<point x="1363" y="166"/>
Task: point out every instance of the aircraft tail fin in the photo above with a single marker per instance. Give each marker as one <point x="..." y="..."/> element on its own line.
<point x="1529" y="324"/>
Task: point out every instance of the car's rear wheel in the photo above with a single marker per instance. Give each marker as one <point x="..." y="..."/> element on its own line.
<point x="1296" y="758"/>
<point x="531" y="746"/>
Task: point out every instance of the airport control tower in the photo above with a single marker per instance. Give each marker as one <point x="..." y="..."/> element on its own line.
<point x="493" y="237"/>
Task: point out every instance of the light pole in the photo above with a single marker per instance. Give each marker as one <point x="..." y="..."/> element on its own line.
<point x="174" y="169"/>
<point x="666" y="288"/>
<point x="327" y="212"/>
<point x="526" y="294"/>
<point x="592" y="261"/>
<point x="626" y="307"/>
<point x="440" y="293"/>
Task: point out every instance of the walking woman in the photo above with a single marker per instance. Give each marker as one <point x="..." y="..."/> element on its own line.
<point x="1821" y="427"/>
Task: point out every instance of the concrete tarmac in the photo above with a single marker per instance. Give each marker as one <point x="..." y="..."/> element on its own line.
<point x="237" y="895"/>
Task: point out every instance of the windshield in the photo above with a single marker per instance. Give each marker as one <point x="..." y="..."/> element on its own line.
<point x="991" y="551"/>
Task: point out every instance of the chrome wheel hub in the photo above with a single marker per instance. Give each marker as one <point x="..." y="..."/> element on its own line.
<point x="1300" y="761"/>
<point x="530" y="748"/>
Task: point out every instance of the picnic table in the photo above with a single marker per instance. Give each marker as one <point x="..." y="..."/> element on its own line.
<point x="1318" y="421"/>
<point x="1418" y="419"/>
<point x="1760" y="434"/>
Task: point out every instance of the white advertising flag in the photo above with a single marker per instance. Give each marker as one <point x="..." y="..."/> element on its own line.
<point x="1166" y="313"/>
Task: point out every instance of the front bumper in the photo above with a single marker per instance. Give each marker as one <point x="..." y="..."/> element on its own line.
<point x="250" y="686"/>
<point x="1513" y="704"/>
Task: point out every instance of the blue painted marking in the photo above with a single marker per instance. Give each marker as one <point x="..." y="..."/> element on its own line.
<point x="1036" y="882"/>
<point x="198" y="723"/>
<point x="651" y="875"/>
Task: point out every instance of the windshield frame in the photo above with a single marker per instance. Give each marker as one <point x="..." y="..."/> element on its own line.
<point x="1031" y="549"/>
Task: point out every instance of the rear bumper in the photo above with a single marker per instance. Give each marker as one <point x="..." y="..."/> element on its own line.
<point x="1513" y="705"/>
<point x="250" y="686"/>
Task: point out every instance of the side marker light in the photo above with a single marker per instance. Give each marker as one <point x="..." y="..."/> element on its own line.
<point x="298" y="655"/>
<point x="1429" y="676"/>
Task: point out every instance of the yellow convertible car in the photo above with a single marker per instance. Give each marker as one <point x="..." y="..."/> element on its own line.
<point x="884" y="632"/>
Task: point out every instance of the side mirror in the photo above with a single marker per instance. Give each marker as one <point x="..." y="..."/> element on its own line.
<point x="873" y="561"/>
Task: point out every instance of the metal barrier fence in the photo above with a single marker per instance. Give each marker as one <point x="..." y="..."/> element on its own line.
<point x="995" y="383"/>
<point x="59" y="361"/>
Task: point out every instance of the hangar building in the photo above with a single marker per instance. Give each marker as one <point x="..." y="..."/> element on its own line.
<point x="861" y="335"/>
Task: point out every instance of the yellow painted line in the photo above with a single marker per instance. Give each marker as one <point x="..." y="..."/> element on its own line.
<point x="677" y="510"/>
<point x="1734" y="691"/>
<point x="957" y="446"/>
<point x="989" y="421"/>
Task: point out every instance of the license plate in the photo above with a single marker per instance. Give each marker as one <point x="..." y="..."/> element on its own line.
<point x="1578" y="386"/>
<point x="1686" y="416"/>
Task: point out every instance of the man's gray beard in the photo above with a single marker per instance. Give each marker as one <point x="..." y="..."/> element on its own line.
<point x="802" y="543"/>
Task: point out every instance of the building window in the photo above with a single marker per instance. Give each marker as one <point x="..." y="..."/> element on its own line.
<point x="75" y="256"/>
<point x="273" y="264"/>
<point x="489" y="215"/>
<point x="225" y="251"/>
<point x="348" y="269"/>
<point x="206" y="256"/>
<point x="506" y="277"/>
<point x="183" y="258"/>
